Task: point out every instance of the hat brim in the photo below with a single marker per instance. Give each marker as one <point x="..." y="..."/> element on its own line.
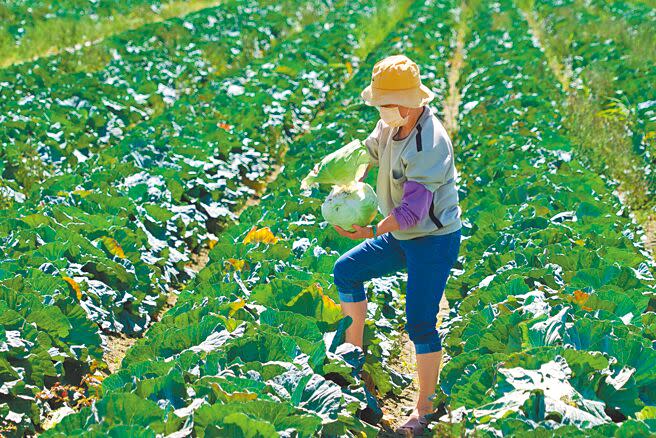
<point x="412" y="98"/>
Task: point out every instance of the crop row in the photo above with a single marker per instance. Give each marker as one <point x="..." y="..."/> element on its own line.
<point x="109" y="240"/>
<point x="610" y="50"/>
<point x="254" y="341"/>
<point x="126" y="214"/>
<point x="635" y="12"/>
<point x="22" y="14"/>
<point x="30" y="29"/>
<point x="552" y="319"/>
<point x="154" y="198"/>
<point x="65" y="109"/>
<point x="127" y="245"/>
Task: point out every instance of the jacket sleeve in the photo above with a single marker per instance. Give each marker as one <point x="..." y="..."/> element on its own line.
<point x="371" y="143"/>
<point x="429" y="164"/>
<point x="414" y="205"/>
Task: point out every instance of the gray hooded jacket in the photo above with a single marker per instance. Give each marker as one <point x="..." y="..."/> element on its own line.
<point x="425" y="156"/>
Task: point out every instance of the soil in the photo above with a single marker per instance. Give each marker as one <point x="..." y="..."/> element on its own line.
<point x="276" y="169"/>
<point x="650" y="234"/>
<point x="117" y="346"/>
<point x="397" y="408"/>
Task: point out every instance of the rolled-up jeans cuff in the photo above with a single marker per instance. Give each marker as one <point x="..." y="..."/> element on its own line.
<point x="432" y="347"/>
<point x="352" y="296"/>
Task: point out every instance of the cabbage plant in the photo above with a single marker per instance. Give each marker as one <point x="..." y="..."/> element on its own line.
<point x="342" y="167"/>
<point x="355" y="203"/>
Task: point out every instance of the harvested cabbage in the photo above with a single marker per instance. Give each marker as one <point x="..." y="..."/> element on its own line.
<point x="355" y="203"/>
<point x="342" y="167"/>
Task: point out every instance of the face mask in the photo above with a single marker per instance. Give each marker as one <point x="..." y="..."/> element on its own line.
<point x="392" y="116"/>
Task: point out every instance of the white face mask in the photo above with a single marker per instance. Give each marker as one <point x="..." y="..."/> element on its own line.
<point x="392" y="116"/>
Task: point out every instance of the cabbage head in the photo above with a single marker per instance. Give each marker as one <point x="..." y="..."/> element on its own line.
<point x="355" y="203"/>
<point x="342" y="167"/>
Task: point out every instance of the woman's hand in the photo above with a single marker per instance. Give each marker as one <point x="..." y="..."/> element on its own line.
<point x="359" y="233"/>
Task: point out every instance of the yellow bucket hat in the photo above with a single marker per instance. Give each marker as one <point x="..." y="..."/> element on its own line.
<point x="395" y="80"/>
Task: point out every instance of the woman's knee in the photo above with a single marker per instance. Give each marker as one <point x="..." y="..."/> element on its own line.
<point x="341" y="270"/>
<point x="423" y="333"/>
<point x="349" y="288"/>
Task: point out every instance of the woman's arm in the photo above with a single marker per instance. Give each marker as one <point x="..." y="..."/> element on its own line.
<point x="371" y="143"/>
<point x="414" y="205"/>
<point x="413" y="208"/>
<point x="388" y="224"/>
<point x="385" y="226"/>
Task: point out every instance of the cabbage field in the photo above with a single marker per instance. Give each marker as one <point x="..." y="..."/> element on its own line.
<point x="150" y="194"/>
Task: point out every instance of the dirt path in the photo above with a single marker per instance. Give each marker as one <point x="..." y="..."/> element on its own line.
<point x="562" y="72"/>
<point x="396" y="409"/>
<point x="650" y="234"/>
<point x="117" y="345"/>
<point x="453" y="98"/>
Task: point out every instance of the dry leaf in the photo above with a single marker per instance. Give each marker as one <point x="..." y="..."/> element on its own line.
<point x="541" y="210"/>
<point x="74" y="286"/>
<point x="224" y="126"/>
<point x="235" y="396"/>
<point x="237" y="264"/>
<point x="113" y="247"/>
<point x="580" y="298"/>
<point x="263" y="235"/>
<point x="236" y="305"/>
<point x="80" y="192"/>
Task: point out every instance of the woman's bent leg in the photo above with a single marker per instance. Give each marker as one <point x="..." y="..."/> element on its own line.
<point x="371" y="258"/>
<point x="358" y="313"/>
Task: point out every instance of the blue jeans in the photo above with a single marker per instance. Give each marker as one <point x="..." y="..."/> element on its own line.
<point x="429" y="260"/>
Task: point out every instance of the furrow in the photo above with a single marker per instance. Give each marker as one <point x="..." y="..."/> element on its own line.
<point x="456" y="62"/>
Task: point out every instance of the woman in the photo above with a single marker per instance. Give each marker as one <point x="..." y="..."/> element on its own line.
<point x="421" y="227"/>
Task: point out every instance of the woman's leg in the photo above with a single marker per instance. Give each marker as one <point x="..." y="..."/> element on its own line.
<point x="371" y="258"/>
<point x="429" y="263"/>
<point x="358" y="313"/>
<point x="428" y="370"/>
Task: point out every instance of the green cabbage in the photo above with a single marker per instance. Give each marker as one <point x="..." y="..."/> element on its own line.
<point x="341" y="167"/>
<point x="355" y="203"/>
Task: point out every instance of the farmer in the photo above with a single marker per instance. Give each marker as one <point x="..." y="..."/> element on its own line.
<point x="421" y="227"/>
